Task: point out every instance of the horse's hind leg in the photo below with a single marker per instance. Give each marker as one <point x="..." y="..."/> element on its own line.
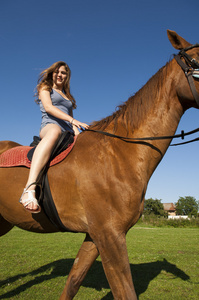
<point x="5" y="226"/>
<point x="84" y="260"/>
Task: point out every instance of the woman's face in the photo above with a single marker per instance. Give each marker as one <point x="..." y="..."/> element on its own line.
<point x="59" y="77"/>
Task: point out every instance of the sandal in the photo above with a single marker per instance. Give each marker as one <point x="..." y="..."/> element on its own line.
<point x="31" y="199"/>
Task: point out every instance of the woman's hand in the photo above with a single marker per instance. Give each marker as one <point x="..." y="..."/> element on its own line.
<point x="79" y="124"/>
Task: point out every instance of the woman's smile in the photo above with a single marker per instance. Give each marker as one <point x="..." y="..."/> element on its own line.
<point x="59" y="77"/>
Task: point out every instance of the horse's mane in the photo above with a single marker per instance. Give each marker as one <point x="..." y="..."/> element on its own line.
<point x="134" y="110"/>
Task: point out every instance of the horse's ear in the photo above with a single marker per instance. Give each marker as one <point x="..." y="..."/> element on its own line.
<point x="177" y="41"/>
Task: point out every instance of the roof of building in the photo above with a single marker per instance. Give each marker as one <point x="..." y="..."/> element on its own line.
<point x="169" y="206"/>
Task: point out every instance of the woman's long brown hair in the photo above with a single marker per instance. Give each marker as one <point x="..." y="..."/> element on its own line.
<point x="45" y="80"/>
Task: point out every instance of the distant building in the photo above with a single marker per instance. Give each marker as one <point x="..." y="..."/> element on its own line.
<point x="170" y="209"/>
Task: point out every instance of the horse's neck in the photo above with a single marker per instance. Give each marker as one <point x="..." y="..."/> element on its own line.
<point x="160" y="111"/>
<point x="162" y="117"/>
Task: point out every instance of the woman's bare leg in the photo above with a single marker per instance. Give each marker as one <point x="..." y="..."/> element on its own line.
<point x="49" y="135"/>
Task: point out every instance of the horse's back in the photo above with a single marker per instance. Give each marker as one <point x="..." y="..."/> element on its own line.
<point x="5" y="145"/>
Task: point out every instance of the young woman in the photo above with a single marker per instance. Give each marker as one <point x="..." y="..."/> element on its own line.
<point x="56" y="105"/>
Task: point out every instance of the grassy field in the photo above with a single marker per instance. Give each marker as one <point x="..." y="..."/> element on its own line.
<point x="164" y="264"/>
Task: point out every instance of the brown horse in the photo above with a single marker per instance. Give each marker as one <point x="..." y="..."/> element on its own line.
<point x="99" y="188"/>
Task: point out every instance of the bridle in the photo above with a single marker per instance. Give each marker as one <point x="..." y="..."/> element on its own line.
<point x="190" y="68"/>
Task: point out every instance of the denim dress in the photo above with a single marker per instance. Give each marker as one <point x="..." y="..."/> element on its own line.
<point x="61" y="103"/>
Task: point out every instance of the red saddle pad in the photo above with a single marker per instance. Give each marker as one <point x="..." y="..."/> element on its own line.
<point x="17" y="156"/>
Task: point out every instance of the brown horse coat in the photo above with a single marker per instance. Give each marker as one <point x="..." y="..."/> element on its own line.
<point x="99" y="188"/>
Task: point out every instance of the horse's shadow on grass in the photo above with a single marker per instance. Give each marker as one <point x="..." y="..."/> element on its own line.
<point x="142" y="274"/>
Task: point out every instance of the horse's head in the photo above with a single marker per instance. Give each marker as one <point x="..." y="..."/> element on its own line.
<point x="187" y="62"/>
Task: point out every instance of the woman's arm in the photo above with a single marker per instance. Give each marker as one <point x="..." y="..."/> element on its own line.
<point x="76" y="131"/>
<point x="44" y="96"/>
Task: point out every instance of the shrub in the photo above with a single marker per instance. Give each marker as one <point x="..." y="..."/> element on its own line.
<point x="158" y="221"/>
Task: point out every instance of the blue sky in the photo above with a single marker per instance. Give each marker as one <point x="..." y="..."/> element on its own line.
<point x="112" y="47"/>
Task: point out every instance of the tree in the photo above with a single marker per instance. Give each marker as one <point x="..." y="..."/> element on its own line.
<point x="154" y="207"/>
<point x="187" y="206"/>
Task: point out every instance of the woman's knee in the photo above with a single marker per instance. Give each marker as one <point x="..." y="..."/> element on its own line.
<point x="55" y="132"/>
<point x="51" y="131"/>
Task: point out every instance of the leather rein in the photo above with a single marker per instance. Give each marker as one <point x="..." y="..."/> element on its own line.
<point x="191" y="69"/>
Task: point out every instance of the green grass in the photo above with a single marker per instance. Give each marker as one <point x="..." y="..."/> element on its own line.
<point x="164" y="264"/>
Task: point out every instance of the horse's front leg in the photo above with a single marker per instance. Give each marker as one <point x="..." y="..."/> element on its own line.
<point x="114" y="256"/>
<point x="84" y="260"/>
